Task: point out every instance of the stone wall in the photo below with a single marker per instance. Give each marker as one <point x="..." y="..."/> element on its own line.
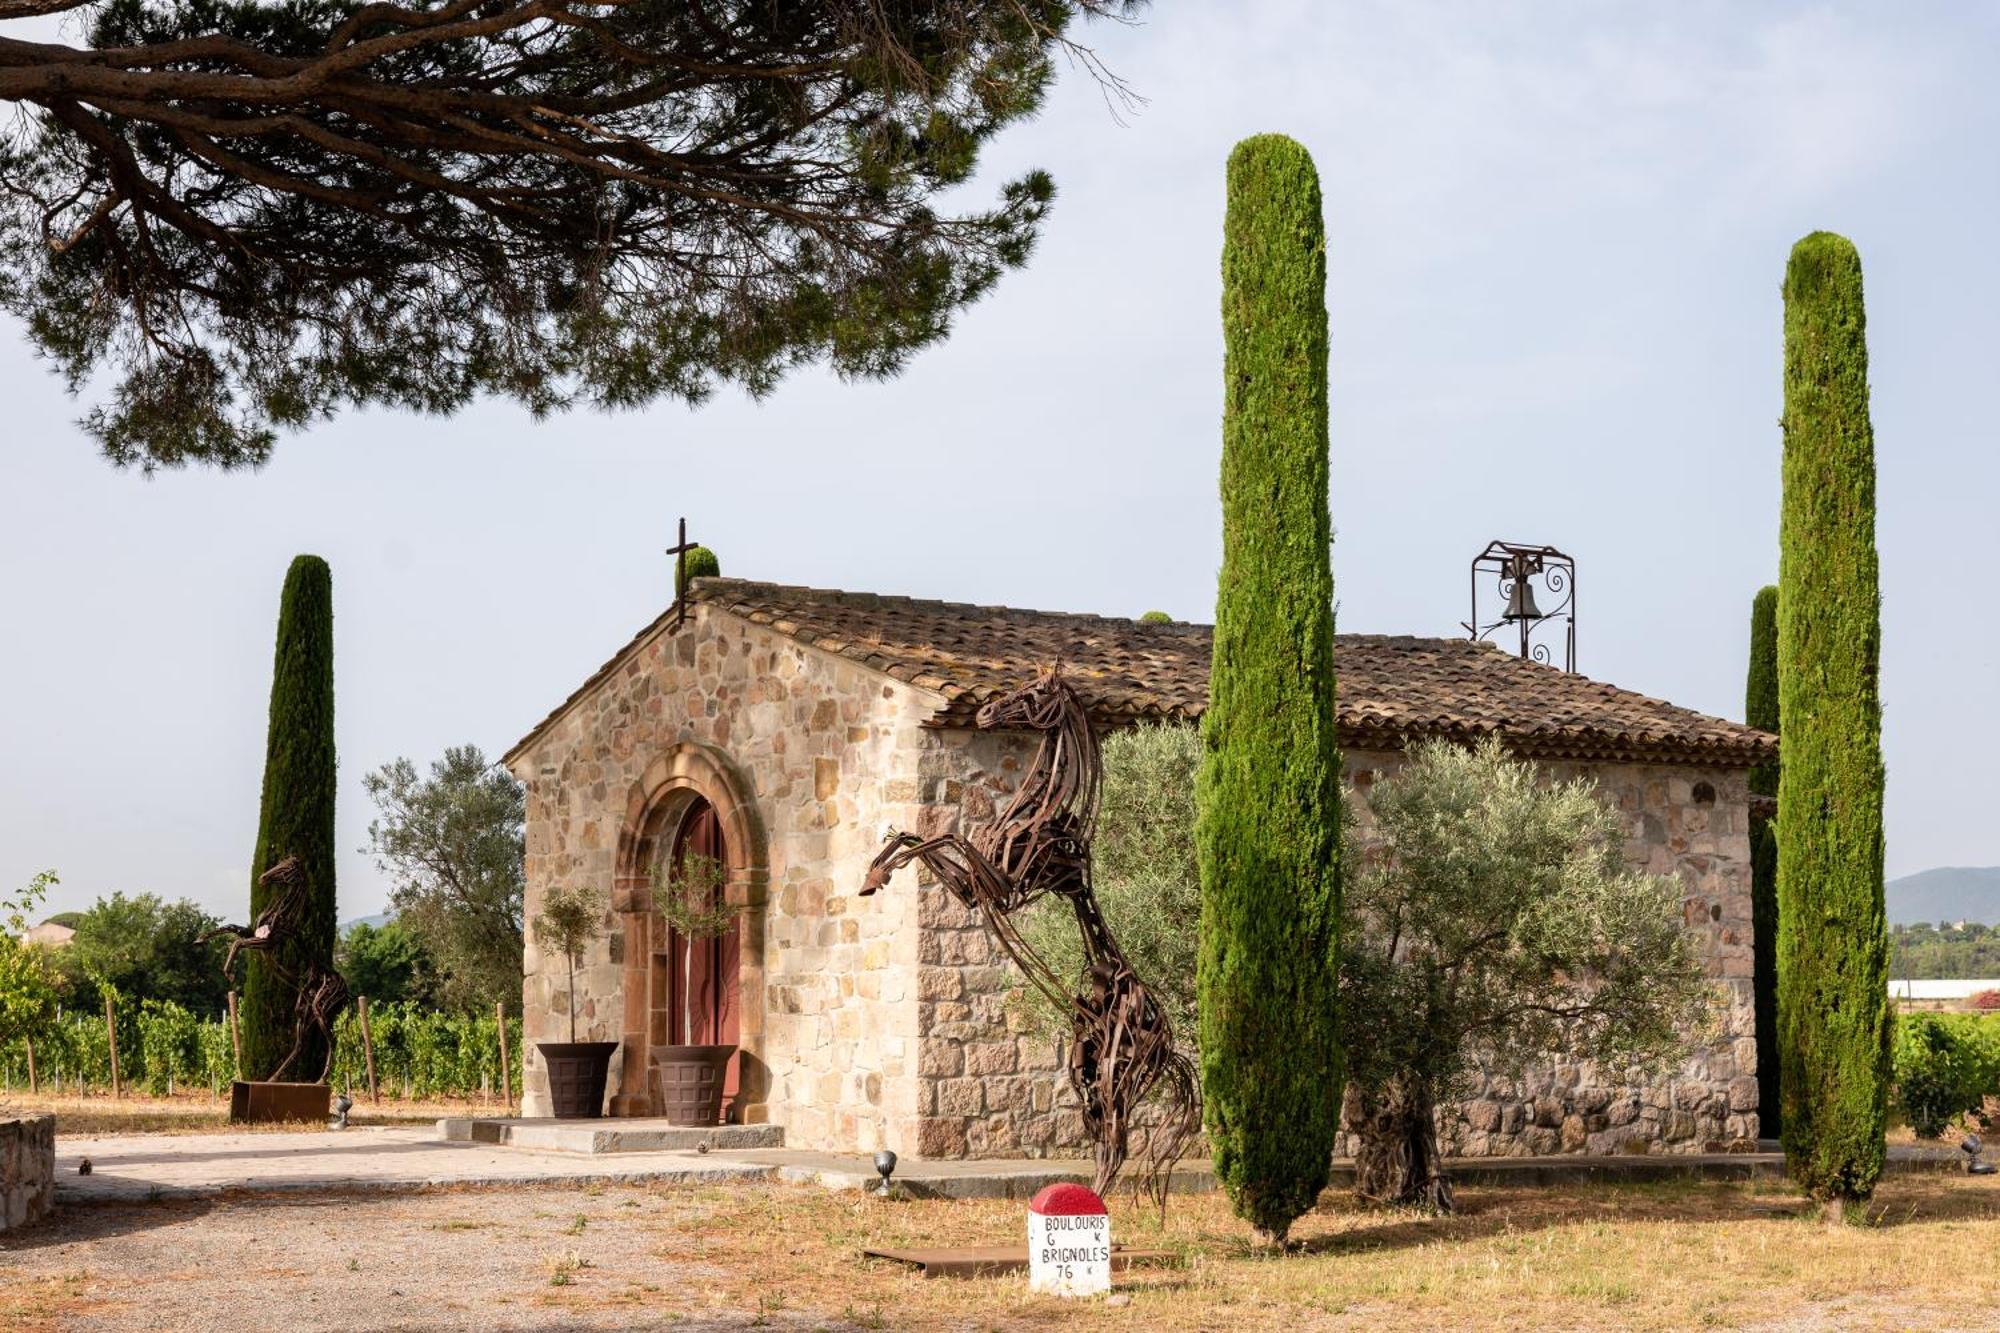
<point x="1682" y="821"/>
<point x="823" y="753"/>
<point x="990" y="1091"/>
<point x="27" y="1170"/>
<point x="883" y="1021"/>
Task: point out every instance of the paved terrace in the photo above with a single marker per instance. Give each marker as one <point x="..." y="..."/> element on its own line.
<point x="139" y="1167"/>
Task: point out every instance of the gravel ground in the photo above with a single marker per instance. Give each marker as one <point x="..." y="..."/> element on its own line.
<point x="542" y="1259"/>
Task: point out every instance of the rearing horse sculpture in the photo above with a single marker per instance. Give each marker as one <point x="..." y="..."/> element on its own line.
<point x="322" y="992"/>
<point x="1122" y="1044"/>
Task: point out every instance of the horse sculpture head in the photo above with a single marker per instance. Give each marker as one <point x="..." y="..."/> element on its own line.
<point x="1036" y="706"/>
<point x="290" y="871"/>
<point x="887" y="861"/>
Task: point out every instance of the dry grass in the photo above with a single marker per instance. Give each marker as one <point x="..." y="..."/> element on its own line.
<point x="199" y="1113"/>
<point x="1686" y="1255"/>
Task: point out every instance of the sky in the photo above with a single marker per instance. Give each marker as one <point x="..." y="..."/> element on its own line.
<point x="1556" y="235"/>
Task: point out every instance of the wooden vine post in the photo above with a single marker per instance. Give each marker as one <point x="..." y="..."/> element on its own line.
<point x="368" y="1048"/>
<point x="506" y="1073"/>
<point x="111" y="1031"/>
<point x="33" y="1086"/>
<point x="235" y="1036"/>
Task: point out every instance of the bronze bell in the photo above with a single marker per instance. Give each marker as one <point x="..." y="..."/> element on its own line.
<point x="1521" y="601"/>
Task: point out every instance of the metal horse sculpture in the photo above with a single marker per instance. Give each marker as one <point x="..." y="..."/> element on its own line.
<point x="322" y="993"/>
<point x="1122" y="1044"/>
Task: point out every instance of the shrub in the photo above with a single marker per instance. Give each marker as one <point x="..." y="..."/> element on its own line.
<point x="1497" y="923"/>
<point x="1985" y="1000"/>
<point x="701" y="564"/>
<point x="1146" y="874"/>
<point x="1946" y="1066"/>
<point x="1269" y="792"/>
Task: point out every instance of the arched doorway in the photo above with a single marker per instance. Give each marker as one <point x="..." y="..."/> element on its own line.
<point x="690" y="799"/>
<point x="703" y="981"/>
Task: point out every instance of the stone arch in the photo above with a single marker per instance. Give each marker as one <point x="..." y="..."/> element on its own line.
<point x="672" y="785"/>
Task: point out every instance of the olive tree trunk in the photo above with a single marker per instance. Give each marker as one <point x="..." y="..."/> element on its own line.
<point x="1396" y="1154"/>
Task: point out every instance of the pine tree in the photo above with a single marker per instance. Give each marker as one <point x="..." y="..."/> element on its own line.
<point x="1833" y="1008"/>
<point x="297" y="816"/>
<point x="1760" y="710"/>
<point x="1269" y="791"/>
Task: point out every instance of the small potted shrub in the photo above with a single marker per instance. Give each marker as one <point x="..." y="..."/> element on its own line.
<point x="570" y="919"/>
<point x="689" y="1078"/>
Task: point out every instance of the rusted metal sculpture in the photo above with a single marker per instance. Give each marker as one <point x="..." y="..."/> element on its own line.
<point x="1122" y="1043"/>
<point x="322" y="992"/>
<point x="278" y="922"/>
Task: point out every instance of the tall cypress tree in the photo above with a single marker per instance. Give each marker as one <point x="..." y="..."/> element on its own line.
<point x="297" y="816"/>
<point x="1760" y="710"/>
<point x="1269" y="791"/>
<point x="1833" y="1005"/>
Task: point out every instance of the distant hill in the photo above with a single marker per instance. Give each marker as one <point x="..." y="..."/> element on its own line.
<point x="379" y="919"/>
<point x="1949" y="893"/>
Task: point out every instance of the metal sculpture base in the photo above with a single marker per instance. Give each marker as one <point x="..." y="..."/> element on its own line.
<point x="275" y="1103"/>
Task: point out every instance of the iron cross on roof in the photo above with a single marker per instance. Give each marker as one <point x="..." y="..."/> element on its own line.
<point x="679" y="551"/>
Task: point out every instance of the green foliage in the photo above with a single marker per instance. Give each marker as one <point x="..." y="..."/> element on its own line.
<point x="451" y="844"/>
<point x="1946" y="1066"/>
<point x="1834" y="1029"/>
<point x="1760" y="710"/>
<point x="27" y="982"/>
<point x="387" y="963"/>
<point x="690" y="898"/>
<point x="1496" y="924"/>
<point x="680" y="197"/>
<point x="1156" y="618"/>
<point x="569" y="920"/>
<point x="1147" y="875"/>
<point x="701" y="564"/>
<point x="143" y="949"/>
<point x="297" y="815"/>
<point x="1269" y="788"/>
<point x="1923" y="950"/>
<point x="419" y="1052"/>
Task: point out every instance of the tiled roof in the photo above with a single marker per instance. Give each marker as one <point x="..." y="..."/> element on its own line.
<point x="1392" y="688"/>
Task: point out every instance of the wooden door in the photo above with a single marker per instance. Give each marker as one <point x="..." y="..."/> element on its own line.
<point x="704" y="987"/>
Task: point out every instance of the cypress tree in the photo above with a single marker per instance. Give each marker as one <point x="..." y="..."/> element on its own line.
<point x="1269" y="789"/>
<point x="297" y="815"/>
<point x="1833" y="1005"/>
<point x="1760" y="710"/>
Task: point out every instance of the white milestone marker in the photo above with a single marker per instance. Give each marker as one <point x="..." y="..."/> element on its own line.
<point x="1069" y="1242"/>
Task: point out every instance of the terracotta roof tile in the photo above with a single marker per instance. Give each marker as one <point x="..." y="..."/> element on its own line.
<point x="1392" y="688"/>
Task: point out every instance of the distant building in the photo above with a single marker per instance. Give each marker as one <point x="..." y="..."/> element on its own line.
<point x="52" y="933"/>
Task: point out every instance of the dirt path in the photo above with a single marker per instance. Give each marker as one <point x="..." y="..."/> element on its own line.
<point x="547" y="1259"/>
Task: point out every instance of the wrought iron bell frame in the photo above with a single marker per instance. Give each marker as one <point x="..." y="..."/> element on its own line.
<point x="1509" y="568"/>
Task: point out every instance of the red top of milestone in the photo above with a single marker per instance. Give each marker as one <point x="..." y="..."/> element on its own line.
<point x="1066" y="1200"/>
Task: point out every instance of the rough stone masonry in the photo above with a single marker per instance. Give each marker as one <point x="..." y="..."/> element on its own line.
<point x="813" y="721"/>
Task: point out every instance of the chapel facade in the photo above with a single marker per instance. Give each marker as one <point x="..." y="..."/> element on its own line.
<point x="784" y="731"/>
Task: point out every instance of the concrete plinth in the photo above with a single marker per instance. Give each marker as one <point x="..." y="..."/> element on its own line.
<point x="610" y="1136"/>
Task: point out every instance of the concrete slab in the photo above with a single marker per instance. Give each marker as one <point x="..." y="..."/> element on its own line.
<point x="128" y="1168"/>
<point x="608" y="1135"/>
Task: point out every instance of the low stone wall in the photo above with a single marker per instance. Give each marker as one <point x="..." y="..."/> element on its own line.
<point x="27" y="1170"/>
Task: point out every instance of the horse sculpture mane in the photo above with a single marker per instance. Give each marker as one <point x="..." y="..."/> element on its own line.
<point x="1122" y="1044"/>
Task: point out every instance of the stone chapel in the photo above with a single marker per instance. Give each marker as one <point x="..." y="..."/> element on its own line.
<point x="785" y="730"/>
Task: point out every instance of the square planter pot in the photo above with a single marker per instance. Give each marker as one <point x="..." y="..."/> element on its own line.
<point x="688" y="1082"/>
<point x="577" y="1072"/>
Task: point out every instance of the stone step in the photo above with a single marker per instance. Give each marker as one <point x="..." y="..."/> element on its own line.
<point x="609" y="1135"/>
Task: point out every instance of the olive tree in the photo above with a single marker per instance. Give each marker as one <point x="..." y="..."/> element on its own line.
<point x="1496" y="923"/>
